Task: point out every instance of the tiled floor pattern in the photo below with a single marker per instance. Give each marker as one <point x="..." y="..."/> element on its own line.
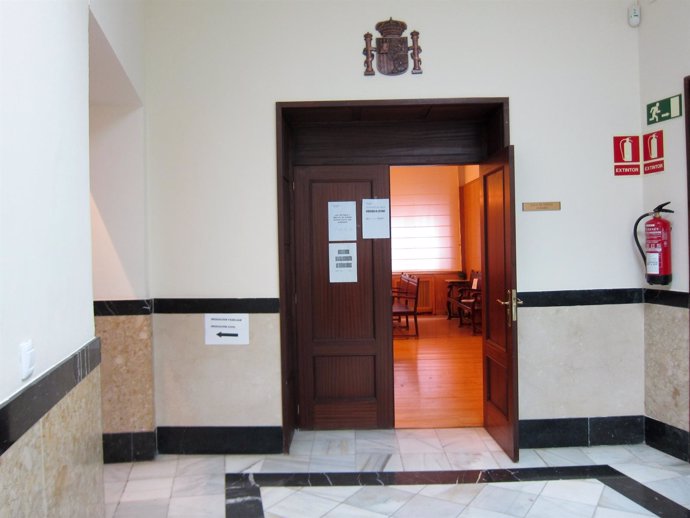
<point x="193" y="486"/>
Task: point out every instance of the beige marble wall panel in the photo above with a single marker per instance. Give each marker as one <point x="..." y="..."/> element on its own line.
<point x="581" y="361"/>
<point x="126" y="373"/>
<point x="73" y="453"/>
<point x="212" y="385"/>
<point x="666" y="359"/>
<point x="21" y="476"/>
<point x="56" y="468"/>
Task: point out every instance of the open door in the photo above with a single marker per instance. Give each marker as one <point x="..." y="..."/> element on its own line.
<point x="500" y="301"/>
<point x="343" y="323"/>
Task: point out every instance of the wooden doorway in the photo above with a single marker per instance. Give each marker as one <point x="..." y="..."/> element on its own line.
<point x="359" y="133"/>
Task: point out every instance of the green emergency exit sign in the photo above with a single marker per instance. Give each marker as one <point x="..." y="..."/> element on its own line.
<point x="665" y="109"/>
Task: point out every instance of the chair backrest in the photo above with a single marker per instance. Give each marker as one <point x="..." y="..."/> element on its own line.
<point x="409" y="285"/>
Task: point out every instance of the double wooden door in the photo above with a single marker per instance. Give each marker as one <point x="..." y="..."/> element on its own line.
<point x="344" y="341"/>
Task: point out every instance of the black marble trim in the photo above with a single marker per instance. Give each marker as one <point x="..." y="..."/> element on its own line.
<point x="539" y="299"/>
<point x="129" y="446"/>
<point x="107" y="308"/>
<point x="667" y="438"/>
<point x="198" y="440"/>
<point x="676" y="299"/>
<point x="240" y="501"/>
<point x="28" y="406"/>
<point x="182" y="306"/>
<point x="581" y="431"/>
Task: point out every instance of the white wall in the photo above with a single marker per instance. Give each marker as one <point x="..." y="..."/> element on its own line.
<point x="45" y="247"/>
<point x="215" y="70"/>
<point x="663" y="43"/>
<point x="122" y="21"/>
<point x="118" y="202"/>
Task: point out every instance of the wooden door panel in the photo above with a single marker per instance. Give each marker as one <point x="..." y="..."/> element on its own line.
<point x="343" y="329"/>
<point x="500" y="331"/>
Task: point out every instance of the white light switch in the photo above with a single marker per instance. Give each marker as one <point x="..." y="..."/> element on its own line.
<point x="28" y="359"/>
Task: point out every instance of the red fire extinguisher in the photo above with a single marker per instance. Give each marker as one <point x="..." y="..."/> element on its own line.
<point x="657" y="253"/>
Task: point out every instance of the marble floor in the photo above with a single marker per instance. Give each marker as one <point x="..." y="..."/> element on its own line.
<point x="404" y="473"/>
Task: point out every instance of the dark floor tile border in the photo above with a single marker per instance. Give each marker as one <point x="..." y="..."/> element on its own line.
<point x="581" y="431"/>
<point x="667" y="438"/>
<point x="225" y="440"/>
<point x="129" y="447"/>
<point x="28" y="406"/>
<point x="243" y="489"/>
<point x="183" y="306"/>
<point x="108" y="308"/>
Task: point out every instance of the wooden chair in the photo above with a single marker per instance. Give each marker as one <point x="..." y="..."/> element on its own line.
<point x="469" y="303"/>
<point x="405" y="297"/>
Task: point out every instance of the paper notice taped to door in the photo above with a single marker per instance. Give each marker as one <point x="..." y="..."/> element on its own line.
<point x="343" y="262"/>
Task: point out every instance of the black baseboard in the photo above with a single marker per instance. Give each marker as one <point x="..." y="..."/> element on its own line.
<point x="667" y="438"/>
<point x="582" y="431"/>
<point x="197" y="440"/>
<point x="129" y="446"/>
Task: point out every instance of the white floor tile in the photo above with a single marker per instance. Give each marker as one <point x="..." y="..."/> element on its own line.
<point x="200" y="465"/>
<point x="145" y="509"/>
<point x="147" y="489"/>
<point x="504" y="500"/>
<point x="546" y="507"/>
<point x="153" y="469"/>
<point x="425" y="462"/>
<point x="302" y="505"/>
<point x="582" y="491"/>
<point x="198" y="485"/>
<point x="458" y="493"/>
<point x="385" y="500"/>
<point x="243" y="463"/>
<point x="347" y="511"/>
<point x="421" y="505"/>
<point x="677" y="489"/>
<point x="208" y="506"/>
<point x="116" y="472"/>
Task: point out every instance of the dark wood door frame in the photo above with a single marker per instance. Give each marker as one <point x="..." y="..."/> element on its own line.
<point x="390" y="132"/>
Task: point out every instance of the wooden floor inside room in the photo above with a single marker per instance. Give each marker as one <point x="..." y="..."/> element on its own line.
<point x="438" y="376"/>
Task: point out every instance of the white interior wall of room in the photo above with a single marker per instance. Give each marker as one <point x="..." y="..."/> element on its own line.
<point x="123" y="25"/>
<point x="217" y="69"/>
<point x="118" y="179"/>
<point x="663" y="39"/>
<point x="45" y="234"/>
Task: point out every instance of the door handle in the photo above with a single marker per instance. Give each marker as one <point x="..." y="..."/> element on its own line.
<point x="503" y="302"/>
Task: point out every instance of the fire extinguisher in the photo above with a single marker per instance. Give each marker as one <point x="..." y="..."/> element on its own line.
<point x="657" y="253"/>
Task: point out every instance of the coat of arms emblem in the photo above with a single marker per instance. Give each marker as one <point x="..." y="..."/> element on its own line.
<point x="392" y="50"/>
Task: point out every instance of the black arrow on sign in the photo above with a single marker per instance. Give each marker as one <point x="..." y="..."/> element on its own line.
<point x="227" y="334"/>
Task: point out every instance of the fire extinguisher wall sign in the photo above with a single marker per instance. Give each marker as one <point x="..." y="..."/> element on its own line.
<point x="657" y="249"/>
<point x="653" y="152"/>
<point x="626" y="155"/>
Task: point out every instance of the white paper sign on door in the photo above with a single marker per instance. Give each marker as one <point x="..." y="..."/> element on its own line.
<point x="376" y="219"/>
<point x="343" y="262"/>
<point x="342" y="221"/>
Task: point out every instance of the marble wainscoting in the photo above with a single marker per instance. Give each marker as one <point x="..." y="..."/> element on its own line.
<point x="56" y="467"/>
<point x="127" y="386"/>
<point x="581" y="361"/>
<point x="666" y="365"/>
<point x="667" y="379"/>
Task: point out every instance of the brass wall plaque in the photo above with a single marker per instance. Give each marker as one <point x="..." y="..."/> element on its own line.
<point x="532" y="206"/>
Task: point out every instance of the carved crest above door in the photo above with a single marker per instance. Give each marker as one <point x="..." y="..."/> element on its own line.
<point x="392" y="50"/>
